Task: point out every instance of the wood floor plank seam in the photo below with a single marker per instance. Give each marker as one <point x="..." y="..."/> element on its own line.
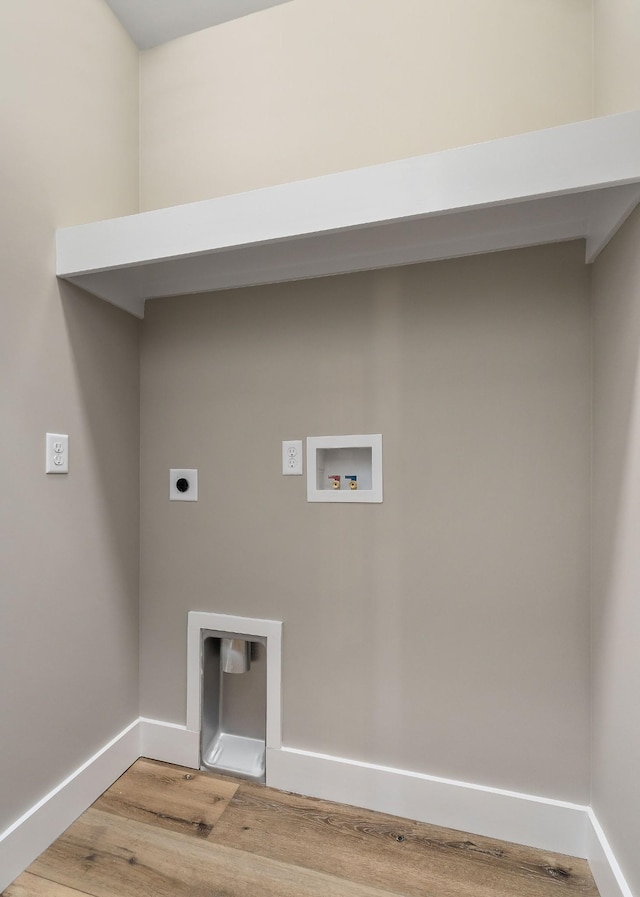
<point x="175" y="798"/>
<point x="31" y="885"/>
<point x="119" y="857"/>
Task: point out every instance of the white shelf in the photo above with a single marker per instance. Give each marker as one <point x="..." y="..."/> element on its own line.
<point x="575" y="181"/>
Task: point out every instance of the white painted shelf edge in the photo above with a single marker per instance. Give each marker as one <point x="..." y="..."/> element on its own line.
<point x="574" y="181"/>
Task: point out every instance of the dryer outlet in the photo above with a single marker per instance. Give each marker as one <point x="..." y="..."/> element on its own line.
<point x="183" y="484"/>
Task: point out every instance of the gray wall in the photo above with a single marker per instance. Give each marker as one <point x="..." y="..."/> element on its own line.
<point x="616" y="484"/>
<point x="68" y="363"/>
<point x="446" y="630"/>
<point x="616" y="575"/>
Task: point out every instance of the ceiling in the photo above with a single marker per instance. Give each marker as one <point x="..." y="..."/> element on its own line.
<point x="153" y="22"/>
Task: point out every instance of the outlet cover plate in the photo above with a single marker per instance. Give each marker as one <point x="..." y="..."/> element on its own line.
<point x="183" y="473"/>
<point x="57" y="453"/>
<point x="292" y="458"/>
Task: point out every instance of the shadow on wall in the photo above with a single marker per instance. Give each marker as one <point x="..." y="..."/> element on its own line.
<point x="616" y="436"/>
<point x="104" y="348"/>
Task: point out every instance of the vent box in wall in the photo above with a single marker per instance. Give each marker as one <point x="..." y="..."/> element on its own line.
<point x="344" y="468"/>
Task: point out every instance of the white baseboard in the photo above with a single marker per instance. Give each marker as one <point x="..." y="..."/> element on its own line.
<point x="538" y="822"/>
<point x="169" y="742"/>
<point x="604" y="866"/>
<point x="36" y="829"/>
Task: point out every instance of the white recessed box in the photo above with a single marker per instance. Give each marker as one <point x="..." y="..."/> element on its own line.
<point x="344" y="468"/>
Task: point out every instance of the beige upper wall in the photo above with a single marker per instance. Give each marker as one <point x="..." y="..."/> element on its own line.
<point x="447" y="629"/>
<point x="316" y="86"/>
<point x="68" y="363"/>
<point x="617" y="56"/>
<point x="70" y="92"/>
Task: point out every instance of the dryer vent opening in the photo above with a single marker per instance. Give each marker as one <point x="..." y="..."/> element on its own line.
<point x="233" y="732"/>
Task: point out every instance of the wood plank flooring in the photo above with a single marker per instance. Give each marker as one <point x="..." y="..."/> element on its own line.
<point x="165" y="831"/>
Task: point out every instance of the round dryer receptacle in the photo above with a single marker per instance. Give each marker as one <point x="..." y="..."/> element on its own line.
<point x="183" y="484"/>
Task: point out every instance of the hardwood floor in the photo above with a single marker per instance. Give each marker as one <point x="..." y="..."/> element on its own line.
<point x="165" y="831"/>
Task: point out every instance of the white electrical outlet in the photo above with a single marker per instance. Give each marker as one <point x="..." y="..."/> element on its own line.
<point x="57" y="453"/>
<point x="292" y="457"/>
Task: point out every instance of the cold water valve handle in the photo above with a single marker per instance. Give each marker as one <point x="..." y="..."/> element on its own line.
<point x="353" y="481"/>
